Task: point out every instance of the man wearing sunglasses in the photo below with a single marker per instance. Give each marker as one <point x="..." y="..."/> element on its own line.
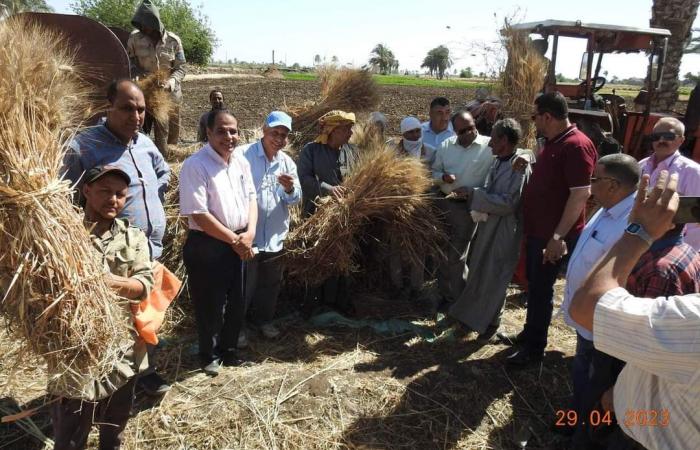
<point x="462" y="163"/>
<point x="667" y="137"/>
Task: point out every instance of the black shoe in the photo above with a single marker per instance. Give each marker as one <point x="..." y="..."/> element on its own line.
<point x="231" y="359"/>
<point x="511" y="338"/>
<point x="490" y="336"/>
<point x="524" y="358"/>
<point x="153" y="384"/>
<point x="212" y="368"/>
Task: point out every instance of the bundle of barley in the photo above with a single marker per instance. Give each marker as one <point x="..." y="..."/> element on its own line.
<point x="159" y="103"/>
<point x="521" y="79"/>
<point x="55" y="298"/>
<point x="365" y="135"/>
<point x="386" y="191"/>
<point x="176" y="228"/>
<point x="344" y="89"/>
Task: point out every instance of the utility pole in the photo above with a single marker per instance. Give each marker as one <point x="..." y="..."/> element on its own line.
<point x="273" y="57"/>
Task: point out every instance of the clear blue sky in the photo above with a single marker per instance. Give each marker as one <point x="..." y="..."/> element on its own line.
<point x="298" y="30"/>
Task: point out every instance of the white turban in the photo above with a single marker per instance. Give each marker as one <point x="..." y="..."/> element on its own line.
<point x="409" y="123"/>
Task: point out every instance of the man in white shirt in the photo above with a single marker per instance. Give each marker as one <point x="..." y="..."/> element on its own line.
<point x="656" y="397"/>
<point x="438" y="128"/>
<point x="218" y="196"/>
<point x="613" y="185"/>
<point x="462" y="162"/>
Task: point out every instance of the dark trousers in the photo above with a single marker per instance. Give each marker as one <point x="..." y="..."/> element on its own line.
<point x="540" y="279"/>
<point x="262" y="287"/>
<point x="581" y="373"/>
<point x="73" y="418"/>
<point x="215" y="277"/>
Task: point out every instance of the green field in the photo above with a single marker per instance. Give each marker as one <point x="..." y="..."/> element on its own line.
<point x="403" y="80"/>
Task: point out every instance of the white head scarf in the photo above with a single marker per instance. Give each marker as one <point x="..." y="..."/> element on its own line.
<point x="413" y="148"/>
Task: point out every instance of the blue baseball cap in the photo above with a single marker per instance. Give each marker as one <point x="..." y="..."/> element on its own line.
<point x="277" y="118"/>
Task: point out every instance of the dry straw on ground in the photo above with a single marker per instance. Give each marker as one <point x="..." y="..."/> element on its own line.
<point x="345" y="89"/>
<point x="384" y="190"/>
<point x="55" y="299"/>
<point x="159" y="102"/>
<point x="521" y="79"/>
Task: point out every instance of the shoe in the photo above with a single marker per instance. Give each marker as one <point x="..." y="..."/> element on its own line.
<point x="511" y="338"/>
<point x="231" y="359"/>
<point x="242" y="339"/>
<point x="523" y="358"/>
<point x="212" y="368"/>
<point x="269" y="331"/>
<point x="153" y="385"/>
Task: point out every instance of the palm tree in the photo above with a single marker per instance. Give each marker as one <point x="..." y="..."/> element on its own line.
<point x="383" y="58"/>
<point x="678" y="17"/>
<point x="317" y="59"/>
<point x="438" y="61"/>
<point x="18" y="6"/>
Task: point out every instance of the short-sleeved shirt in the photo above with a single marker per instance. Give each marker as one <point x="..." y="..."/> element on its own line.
<point x="210" y="185"/>
<point x="123" y="250"/>
<point x="567" y="161"/>
<point x="659" y="341"/>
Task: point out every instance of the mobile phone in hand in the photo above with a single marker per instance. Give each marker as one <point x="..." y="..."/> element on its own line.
<point x="688" y="210"/>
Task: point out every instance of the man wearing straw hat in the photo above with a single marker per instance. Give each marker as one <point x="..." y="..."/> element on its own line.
<point x="119" y="143"/>
<point x="277" y="187"/>
<point x="152" y="48"/>
<point x="124" y="250"/>
<point x="323" y="164"/>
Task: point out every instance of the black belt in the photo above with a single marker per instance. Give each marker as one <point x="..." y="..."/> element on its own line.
<point x="202" y="233"/>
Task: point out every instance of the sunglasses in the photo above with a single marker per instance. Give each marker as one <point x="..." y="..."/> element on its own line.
<point x="594" y="179"/>
<point x="666" y="136"/>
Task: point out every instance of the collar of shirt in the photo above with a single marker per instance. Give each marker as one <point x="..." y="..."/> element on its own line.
<point x="622" y="207"/>
<point x="260" y="151"/>
<point x="563" y="134"/>
<point x="114" y="138"/>
<point x="209" y="150"/>
<point x="427" y="128"/>
<point x="667" y="163"/>
<point x="669" y="242"/>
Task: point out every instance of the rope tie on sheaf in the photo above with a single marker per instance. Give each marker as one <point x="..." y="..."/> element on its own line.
<point x="17" y="198"/>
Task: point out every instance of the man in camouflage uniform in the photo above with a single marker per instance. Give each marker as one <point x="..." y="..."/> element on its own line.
<point x="151" y="48"/>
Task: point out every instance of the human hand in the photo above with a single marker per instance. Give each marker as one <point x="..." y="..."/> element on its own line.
<point x="520" y="163"/>
<point x="654" y="210"/>
<point x="463" y="192"/>
<point x="554" y="251"/>
<point x="287" y="182"/>
<point x="338" y="192"/>
<point x="449" y="178"/>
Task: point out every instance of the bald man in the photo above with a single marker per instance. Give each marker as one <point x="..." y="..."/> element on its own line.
<point x="666" y="138"/>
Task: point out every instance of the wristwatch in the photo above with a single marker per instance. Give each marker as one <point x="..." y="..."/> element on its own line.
<point x="556" y="236"/>
<point x="636" y="229"/>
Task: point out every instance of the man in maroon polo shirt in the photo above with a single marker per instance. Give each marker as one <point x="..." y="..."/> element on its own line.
<point x="553" y="207"/>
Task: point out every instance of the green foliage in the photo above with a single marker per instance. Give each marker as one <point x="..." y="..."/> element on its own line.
<point x="466" y="73"/>
<point x="18" y="6"/>
<point x="401" y="80"/>
<point x="437" y="61"/>
<point x="383" y="58"/>
<point x="191" y="25"/>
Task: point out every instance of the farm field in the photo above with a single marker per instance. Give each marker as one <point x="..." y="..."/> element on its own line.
<point x="322" y="386"/>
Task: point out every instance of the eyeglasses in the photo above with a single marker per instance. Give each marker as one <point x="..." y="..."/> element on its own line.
<point x="595" y="179"/>
<point x="665" y="135"/>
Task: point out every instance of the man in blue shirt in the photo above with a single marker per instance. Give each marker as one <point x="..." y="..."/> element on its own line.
<point x="277" y="187"/>
<point x="119" y="143"/>
<point x="438" y="128"/>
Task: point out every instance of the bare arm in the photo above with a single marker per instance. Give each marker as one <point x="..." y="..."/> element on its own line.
<point x="655" y="214"/>
<point x="574" y="205"/>
<point x="130" y="288"/>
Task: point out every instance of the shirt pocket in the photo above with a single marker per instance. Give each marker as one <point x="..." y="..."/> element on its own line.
<point x="123" y="260"/>
<point x="591" y="253"/>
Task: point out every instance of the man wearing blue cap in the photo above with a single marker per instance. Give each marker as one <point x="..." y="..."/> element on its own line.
<point x="277" y="187"/>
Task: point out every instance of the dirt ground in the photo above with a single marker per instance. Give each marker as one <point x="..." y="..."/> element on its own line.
<point x="319" y="387"/>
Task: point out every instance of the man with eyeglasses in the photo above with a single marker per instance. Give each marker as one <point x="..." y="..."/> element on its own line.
<point x="462" y="162"/>
<point x="613" y="186"/>
<point x="666" y="138"/>
<point x="277" y="188"/>
<point x="553" y="206"/>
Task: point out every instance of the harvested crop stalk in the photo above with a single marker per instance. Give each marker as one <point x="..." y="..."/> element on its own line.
<point x="54" y="298"/>
<point x="158" y="101"/>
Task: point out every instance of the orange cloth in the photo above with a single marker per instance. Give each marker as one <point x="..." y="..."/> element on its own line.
<point x="150" y="313"/>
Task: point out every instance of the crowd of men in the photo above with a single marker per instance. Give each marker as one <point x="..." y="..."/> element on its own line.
<point x="632" y="277"/>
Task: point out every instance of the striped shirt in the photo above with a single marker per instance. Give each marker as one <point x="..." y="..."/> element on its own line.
<point x="660" y="342"/>
<point x="209" y="185"/>
<point x="669" y="267"/>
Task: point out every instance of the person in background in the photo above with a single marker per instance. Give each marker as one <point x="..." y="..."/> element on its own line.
<point x="216" y="100"/>
<point x="438" y="128"/>
<point x="411" y="142"/>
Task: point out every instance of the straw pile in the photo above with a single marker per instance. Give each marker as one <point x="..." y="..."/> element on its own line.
<point x="521" y="79"/>
<point x="55" y="300"/>
<point x="385" y="191"/>
<point x="345" y="89"/>
<point x="158" y="101"/>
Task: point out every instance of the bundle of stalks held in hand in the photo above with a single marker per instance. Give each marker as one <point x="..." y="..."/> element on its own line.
<point x="384" y="190"/>
<point x="158" y="101"/>
<point x="345" y="89"/>
<point x="54" y="297"/>
<point x="521" y="80"/>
